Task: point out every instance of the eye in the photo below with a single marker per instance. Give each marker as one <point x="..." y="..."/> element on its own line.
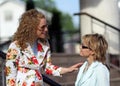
<point x="42" y="28"/>
<point x="85" y="47"/>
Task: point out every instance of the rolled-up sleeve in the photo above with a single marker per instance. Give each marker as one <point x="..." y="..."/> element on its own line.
<point x="50" y="68"/>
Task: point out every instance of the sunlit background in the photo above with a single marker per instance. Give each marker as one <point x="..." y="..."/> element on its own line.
<point x="68" y="21"/>
<point x="66" y="30"/>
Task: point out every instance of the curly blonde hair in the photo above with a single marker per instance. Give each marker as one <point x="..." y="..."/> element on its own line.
<point x="26" y="32"/>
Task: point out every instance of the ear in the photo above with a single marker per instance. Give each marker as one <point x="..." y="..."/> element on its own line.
<point x="92" y="52"/>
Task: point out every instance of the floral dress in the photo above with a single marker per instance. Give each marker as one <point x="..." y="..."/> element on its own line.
<point x="23" y="67"/>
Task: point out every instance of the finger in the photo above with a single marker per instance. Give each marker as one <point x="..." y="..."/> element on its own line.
<point x="77" y="65"/>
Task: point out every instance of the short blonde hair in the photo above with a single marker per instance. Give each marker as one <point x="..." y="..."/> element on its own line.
<point x="97" y="43"/>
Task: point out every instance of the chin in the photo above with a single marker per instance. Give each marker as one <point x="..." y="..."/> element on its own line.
<point x="42" y="38"/>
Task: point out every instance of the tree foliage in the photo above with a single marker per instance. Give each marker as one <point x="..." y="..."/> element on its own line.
<point x="67" y="22"/>
<point x="49" y="5"/>
<point x="60" y="23"/>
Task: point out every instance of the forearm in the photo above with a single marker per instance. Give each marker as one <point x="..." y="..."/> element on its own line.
<point x="64" y="70"/>
<point x="70" y="69"/>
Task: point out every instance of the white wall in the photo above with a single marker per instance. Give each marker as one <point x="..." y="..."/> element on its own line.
<point x="107" y="11"/>
<point x="8" y="27"/>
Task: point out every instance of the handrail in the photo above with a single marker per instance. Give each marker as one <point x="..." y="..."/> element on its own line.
<point x="3" y="55"/>
<point x="84" y="13"/>
<point x="6" y="42"/>
<point x="45" y="78"/>
<point x="117" y="68"/>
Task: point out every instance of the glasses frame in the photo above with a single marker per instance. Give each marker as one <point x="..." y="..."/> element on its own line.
<point x="42" y="28"/>
<point x="85" y="47"/>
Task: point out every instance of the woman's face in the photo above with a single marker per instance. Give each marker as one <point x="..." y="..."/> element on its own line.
<point x="85" y="51"/>
<point x="42" y="31"/>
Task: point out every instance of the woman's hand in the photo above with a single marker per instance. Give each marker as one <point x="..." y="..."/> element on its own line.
<point x="71" y="68"/>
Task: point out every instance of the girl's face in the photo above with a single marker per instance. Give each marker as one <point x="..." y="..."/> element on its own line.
<point x="42" y="31"/>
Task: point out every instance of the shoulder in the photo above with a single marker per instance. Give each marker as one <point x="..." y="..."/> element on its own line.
<point x="14" y="45"/>
<point x="101" y="69"/>
<point x="101" y="66"/>
<point x="102" y="75"/>
<point x="13" y="50"/>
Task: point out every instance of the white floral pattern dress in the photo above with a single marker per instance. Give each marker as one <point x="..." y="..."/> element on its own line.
<point x="23" y="67"/>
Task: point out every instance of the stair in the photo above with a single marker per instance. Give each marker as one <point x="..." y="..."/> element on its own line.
<point x="66" y="60"/>
<point x="115" y="77"/>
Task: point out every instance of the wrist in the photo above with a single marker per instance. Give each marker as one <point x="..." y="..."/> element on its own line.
<point x="64" y="70"/>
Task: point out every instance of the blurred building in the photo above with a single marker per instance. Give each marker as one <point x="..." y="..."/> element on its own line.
<point x="10" y="12"/>
<point x="106" y="21"/>
<point x="101" y="16"/>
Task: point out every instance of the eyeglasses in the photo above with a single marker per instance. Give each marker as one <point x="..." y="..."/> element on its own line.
<point x="42" y="28"/>
<point x="85" y="47"/>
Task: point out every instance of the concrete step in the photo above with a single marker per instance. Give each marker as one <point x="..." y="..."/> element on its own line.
<point x="114" y="73"/>
<point x="114" y="77"/>
<point x="115" y="82"/>
<point x="66" y="60"/>
<point x="69" y="77"/>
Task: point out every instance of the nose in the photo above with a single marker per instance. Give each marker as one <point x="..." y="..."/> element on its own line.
<point x="46" y="29"/>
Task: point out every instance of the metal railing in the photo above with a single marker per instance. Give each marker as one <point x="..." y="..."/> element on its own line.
<point x="46" y="79"/>
<point x="105" y="23"/>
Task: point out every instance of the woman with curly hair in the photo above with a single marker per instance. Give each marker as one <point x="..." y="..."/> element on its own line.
<point x="30" y="52"/>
